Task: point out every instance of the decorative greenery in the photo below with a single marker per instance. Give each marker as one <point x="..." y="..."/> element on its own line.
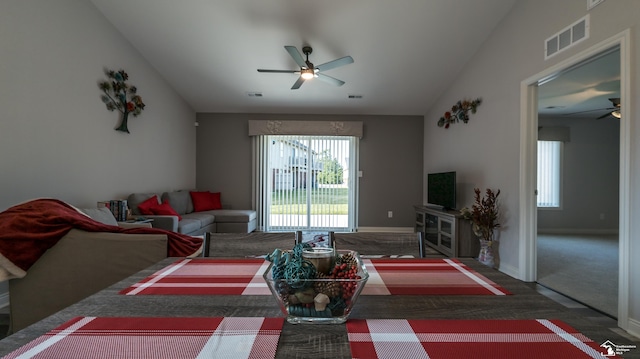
<point x="483" y="214"/>
<point x="459" y="112"/>
<point x="116" y="93"/>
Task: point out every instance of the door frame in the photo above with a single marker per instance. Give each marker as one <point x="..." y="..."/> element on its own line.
<point x="528" y="165"/>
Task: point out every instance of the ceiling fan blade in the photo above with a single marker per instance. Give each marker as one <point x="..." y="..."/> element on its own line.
<point x="331" y="80"/>
<point x="279" y="71"/>
<point x="298" y="83"/>
<point x="297" y="57"/>
<point x="597" y="109"/>
<point x="603" y="116"/>
<point x="335" y="63"/>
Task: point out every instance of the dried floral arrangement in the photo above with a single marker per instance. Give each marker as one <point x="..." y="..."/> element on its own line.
<point x="118" y="95"/>
<point x="483" y="214"/>
<point x="459" y="112"/>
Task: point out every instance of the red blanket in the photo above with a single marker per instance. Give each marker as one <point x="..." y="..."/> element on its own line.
<point x="27" y="230"/>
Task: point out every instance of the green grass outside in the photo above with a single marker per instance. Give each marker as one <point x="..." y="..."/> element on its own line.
<point x="332" y="201"/>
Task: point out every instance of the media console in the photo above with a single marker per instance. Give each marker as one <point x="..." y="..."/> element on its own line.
<point x="446" y="231"/>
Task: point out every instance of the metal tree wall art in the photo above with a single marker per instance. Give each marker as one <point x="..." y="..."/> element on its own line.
<point x="459" y="112"/>
<point x="118" y="95"/>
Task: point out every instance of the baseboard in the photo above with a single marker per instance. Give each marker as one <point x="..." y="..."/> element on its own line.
<point x="386" y="229"/>
<point x="577" y="231"/>
<point x="510" y="271"/>
<point x="633" y="327"/>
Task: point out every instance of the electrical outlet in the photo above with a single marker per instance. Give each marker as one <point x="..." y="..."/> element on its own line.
<point x="390" y="214"/>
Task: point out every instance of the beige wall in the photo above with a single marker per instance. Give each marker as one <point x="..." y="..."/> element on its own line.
<point x="390" y="160"/>
<point x="57" y="138"/>
<point x="488" y="147"/>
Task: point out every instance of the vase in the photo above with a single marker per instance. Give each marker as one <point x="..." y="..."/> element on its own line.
<point x="123" y="124"/>
<point x="486" y="253"/>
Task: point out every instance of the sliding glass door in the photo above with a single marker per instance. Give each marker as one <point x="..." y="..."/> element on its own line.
<point x="308" y="183"/>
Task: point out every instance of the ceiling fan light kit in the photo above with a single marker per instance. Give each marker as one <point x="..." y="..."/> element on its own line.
<point x="307" y="74"/>
<point x="308" y="71"/>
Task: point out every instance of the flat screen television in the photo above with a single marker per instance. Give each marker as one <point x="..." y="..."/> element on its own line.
<point x="441" y="189"/>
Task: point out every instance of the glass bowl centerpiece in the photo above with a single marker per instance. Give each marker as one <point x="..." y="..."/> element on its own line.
<point x="317" y="285"/>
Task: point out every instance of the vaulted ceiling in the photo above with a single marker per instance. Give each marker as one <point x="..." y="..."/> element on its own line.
<point x="405" y="51"/>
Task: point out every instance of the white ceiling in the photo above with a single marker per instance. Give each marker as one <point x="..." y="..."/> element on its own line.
<point x="584" y="90"/>
<point x="405" y="51"/>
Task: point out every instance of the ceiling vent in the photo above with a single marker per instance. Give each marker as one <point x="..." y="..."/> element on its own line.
<point x="567" y="37"/>
<point x="355" y="96"/>
<point x="254" y="94"/>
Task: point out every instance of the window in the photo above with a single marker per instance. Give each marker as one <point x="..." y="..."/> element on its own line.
<point x="549" y="179"/>
<point x="313" y="187"/>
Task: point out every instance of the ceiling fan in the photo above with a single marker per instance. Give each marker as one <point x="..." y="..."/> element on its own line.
<point x="308" y="71"/>
<point x="616" y="109"/>
<point x="611" y="111"/>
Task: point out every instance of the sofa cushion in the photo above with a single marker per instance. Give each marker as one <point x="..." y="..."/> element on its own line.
<point x="188" y="225"/>
<point x="135" y="199"/>
<point x="102" y="215"/>
<point x="233" y="215"/>
<point x="205" y="201"/>
<point x="205" y="218"/>
<point x="165" y="209"/>
<point x="148" y="205"/>
<point x="180" y="201"/>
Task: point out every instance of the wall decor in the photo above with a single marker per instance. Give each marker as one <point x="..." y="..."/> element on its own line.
<point x="459" y="112"/>
<point x="118" y="95"/>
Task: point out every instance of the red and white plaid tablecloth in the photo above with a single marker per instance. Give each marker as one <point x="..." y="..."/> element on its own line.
<point x="478" y="339"/>
<point x="402" y="276"/>
<point x="171" y="338"/>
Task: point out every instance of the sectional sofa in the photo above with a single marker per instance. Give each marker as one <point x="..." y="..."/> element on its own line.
<point x="191" y="212"/>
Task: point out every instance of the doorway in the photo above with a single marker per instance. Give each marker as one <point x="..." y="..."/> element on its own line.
<point x="578" y="182"/>
<point x="528" y="140"/>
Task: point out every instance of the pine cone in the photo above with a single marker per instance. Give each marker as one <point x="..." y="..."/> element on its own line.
<point x="330" y="288"/>
<point x="349" y="260"/>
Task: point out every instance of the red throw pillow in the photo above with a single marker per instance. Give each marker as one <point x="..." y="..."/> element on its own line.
<point x="146" y="206"/>
<point x="215" y="199"/>
<point x="165" y="209"/>
<point x="201" y="201"/>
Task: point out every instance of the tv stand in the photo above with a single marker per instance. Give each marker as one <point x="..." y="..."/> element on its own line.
<point x="446" y="231"/>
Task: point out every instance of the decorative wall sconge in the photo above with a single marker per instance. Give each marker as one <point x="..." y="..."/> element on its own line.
<point x="459" y="112"/>
<point x="118" y="95"/>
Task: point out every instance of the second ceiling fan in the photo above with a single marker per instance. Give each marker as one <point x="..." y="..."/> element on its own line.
<point x="308" y="71"/>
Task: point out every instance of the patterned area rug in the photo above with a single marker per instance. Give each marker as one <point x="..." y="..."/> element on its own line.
<point x="400" y="338"/>
<point x="209" y="276"/>
<point x="119" y="337"/>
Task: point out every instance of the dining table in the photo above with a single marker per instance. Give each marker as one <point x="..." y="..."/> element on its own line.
<point x="315" y="340"/>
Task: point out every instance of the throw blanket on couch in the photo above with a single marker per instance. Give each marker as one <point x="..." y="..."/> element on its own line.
<point x="27" y="230"/>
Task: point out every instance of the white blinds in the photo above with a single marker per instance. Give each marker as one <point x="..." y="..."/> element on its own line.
<point x="305" y="182"/>
<point x="549" y="158"/>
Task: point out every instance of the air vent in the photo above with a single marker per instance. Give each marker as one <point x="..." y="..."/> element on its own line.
<point x="355" y="96"/>
<point x="567" y="37"/>
<point x="593" y="3"/>
<point x="254" y="94"/>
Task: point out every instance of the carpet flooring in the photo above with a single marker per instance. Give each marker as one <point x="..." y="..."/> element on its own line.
<point x="582" y="267"/>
